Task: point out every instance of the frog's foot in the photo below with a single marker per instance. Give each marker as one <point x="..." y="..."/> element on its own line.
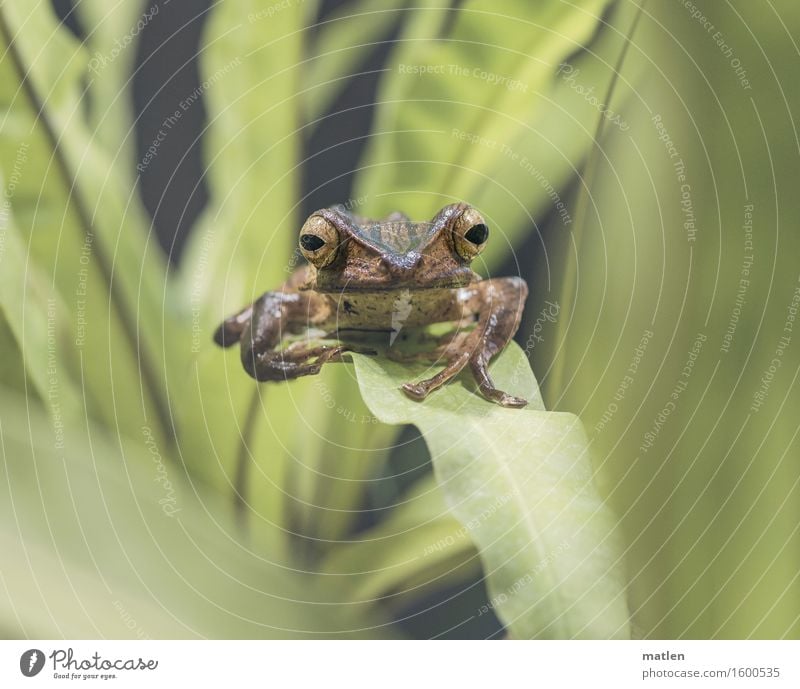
<point x="478" y="365"/>
<point x="231" y="329"/>
<point x="419" y="391"/>
<point x="293" y="362"/>
<point x="299" y="351"/>
<point x="498" y="303"/>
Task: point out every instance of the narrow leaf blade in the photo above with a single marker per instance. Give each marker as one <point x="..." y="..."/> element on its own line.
<point x="521" y="481"/>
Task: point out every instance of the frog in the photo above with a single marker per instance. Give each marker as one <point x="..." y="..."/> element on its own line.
<point x="366" y="275"/>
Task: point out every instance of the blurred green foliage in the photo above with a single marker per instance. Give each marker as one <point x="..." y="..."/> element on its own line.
<point x="125" y="431"/>
<point x="710" y="503"/>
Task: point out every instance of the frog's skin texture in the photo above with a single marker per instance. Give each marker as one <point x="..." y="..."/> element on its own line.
<point x="381" y="275"/>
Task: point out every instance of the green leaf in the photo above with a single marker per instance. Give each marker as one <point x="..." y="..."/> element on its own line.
<point x="103" y="531"/>
<point x="250" y="76"/>
<point x="241" y="247"/>
<point x="678" y="314"/>
<point x="113" y="32"/>
<point x="34" y="313"/>
<point x="521" y="482"/>
<point x="82" y="224"/>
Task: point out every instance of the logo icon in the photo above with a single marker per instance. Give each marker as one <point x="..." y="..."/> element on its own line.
<point x="31" y="662"/>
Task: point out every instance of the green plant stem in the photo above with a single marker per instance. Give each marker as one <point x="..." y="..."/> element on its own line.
<point x="569" y="283"/>
<point x="243" y="461"/>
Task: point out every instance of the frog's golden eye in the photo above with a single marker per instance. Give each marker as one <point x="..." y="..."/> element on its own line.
<point x="319" y="241"/>
<point x="470" y="234"/>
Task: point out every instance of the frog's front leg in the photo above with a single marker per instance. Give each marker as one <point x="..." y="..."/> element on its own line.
<point x="498" y="305"/>
<point x="262" y="327"/>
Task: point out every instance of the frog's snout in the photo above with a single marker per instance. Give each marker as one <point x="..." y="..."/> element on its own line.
<point x="401" y="266"/>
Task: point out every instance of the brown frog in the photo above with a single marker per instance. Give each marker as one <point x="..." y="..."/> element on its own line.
<point x="381" y="275"/>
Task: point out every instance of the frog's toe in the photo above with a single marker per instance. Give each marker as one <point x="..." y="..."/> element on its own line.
<point x="419" y="391"/>
<point x="507" y="400"/>
<point x="492" y="394"/>
<point x="415" y="391"/>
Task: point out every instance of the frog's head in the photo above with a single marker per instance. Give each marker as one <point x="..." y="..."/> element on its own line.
<point x="354" y="253"/>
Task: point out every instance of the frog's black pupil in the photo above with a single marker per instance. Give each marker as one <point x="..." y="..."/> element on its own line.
<point x="477" y="234"/>
<point x="311" y="242"/>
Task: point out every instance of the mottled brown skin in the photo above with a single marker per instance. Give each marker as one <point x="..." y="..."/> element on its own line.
<point x="380" y="275"/>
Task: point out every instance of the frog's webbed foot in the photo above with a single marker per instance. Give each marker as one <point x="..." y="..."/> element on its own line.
<point x="498" y="303"/>
<point x="479" y="366"/>
<point x="230" y="330"/>
<point x="262" y="327"/>
<point x="419" y="391"/>
<point x="293" y="362"/>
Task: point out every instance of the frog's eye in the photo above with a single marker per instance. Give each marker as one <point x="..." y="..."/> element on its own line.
<point x="470" y="234"/>
<point x="319" y="240"/>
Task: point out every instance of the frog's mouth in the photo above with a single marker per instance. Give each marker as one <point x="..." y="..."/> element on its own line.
<point x="330" y="285"/>
<point x="389" y="275"/>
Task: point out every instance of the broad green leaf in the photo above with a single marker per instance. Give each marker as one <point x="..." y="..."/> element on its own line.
<point x="82" y="223"/>
<point x="105" y="530"/>
<point x="242" y="245"/>
<point x="250" y="68"/>
<point x="522" y="483"/>
<point x="687" y="279"/>
<point x="12" y="367"/>
<point x="113" y="31"/>
<point x="35" y="315"/>
<point x="480" y="114"/>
